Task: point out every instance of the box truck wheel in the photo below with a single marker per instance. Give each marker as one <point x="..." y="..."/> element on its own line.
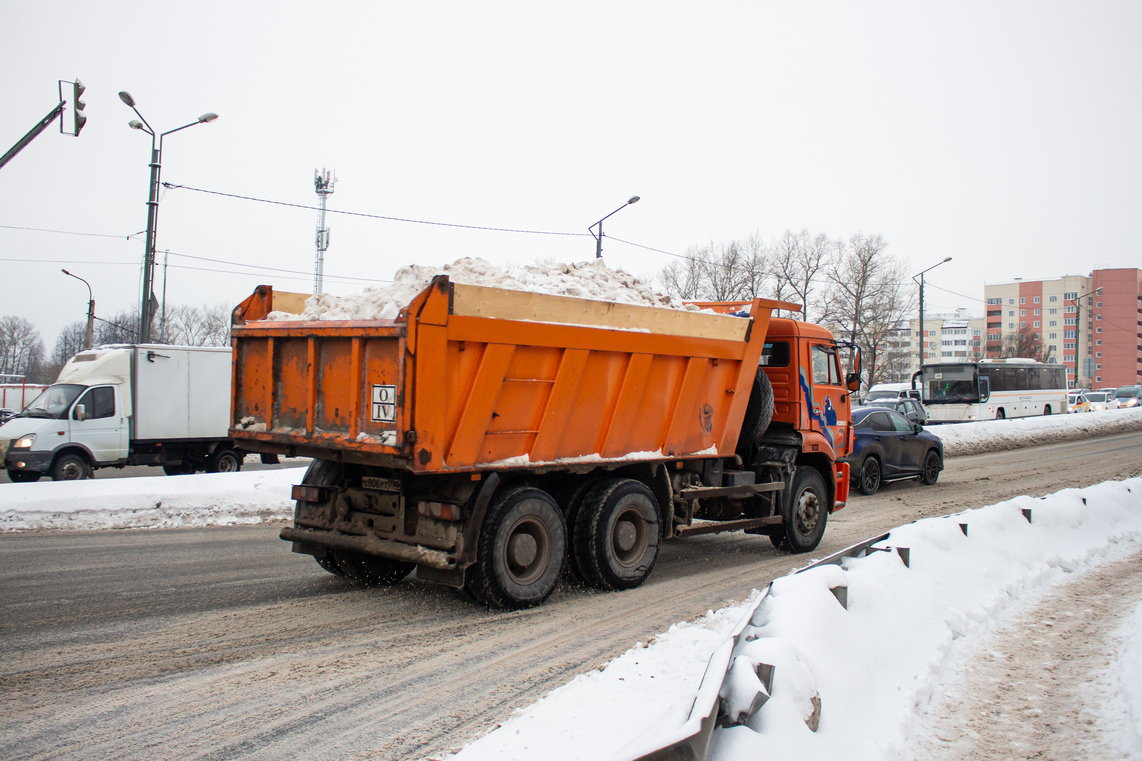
<point x="370" y="570"/>
<point x="70" y="467"/>
<point x="616" y="534"/>
<point x="521" y="550"/>
<point x="23" y="476"/>
<point x="808" y="511"/>
<point x="184" y="468"/>
<point x="224" y="461"/>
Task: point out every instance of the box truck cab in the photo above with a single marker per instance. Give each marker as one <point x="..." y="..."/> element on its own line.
<point x="126" y="405"/>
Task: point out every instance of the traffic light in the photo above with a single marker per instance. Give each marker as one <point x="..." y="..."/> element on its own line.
<point x="78" y="105"/>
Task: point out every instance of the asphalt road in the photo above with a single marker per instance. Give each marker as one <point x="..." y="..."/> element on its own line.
<point x="221" y="644"/>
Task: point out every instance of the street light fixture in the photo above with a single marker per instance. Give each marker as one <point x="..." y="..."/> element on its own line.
<point x="921" y="283"/>
<point x="599" y="236"/>
<point x="147" y="302"/>
<point x="90" y="310"/>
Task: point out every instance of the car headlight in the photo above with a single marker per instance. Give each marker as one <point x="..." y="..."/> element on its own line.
<point x="24" y="442"/>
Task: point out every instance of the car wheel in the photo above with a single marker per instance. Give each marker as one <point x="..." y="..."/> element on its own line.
<point x="868" y="480"/>
<point x="932" y="468"/>
<point x="70" y="467"/>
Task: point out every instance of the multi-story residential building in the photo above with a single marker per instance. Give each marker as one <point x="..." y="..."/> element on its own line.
<point x="947" y="338"/>
<point x="1090" y="324"/>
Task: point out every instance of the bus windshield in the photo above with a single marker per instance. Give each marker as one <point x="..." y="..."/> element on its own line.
<point x="949" y="384"/>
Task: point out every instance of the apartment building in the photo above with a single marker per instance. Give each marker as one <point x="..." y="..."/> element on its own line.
<point x="1091" y="324"/>
<point x="955" y="337"/>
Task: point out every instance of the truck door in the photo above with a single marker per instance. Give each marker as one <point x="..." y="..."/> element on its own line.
<point x="104" y="428"/>
<point x="828" y="405"/>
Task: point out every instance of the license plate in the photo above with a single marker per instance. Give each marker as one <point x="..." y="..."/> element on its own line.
<point x="380" y="484"/>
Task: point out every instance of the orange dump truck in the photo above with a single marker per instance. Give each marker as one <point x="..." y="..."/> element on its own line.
<point x="488" y="438"/>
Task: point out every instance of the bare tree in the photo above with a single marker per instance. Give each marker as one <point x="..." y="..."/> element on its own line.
<point x="798" y="259"/>
<point x="718" y="272"/>
<point x="120" y="328"/>
<point x="197" y="326"/>
<point x="21" y="348"/>
<point x="1026" y="344"/>
<point x="867" y="298"/>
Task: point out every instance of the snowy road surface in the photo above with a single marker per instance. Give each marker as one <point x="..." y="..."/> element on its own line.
<point x="219" y="643"/>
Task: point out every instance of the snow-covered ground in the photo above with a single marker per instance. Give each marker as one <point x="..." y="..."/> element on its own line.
<point x="876" y="668"/>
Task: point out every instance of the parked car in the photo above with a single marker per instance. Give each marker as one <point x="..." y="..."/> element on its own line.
<point x="1129" y="396"/>
<point x="1101" y="400"/>
<point x="887" y="447"/>
<point x="882" y="391"/>
<point x="1077" y="402"/>
<point x="909" y="408"/>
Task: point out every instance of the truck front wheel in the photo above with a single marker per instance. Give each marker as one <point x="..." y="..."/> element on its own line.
<point x="23" y="476"/>
<point x="808" y="511"/>
<point x="616" y="534"/>
<point x="521" y="550"/>
<point x="70" y="467"/>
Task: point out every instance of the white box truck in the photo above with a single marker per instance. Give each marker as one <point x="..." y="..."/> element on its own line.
<point x="121" y="405"/>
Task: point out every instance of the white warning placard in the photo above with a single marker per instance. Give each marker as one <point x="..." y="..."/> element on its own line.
<point x="384" y="404"/>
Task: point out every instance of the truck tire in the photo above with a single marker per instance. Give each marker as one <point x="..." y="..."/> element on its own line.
<point x="23" y="476"/>
<point x="329" y="563"/>
<point x="269" y="459"/>
<point x="70" y="467"/>
<point x="521" y="550"/>
<point x="617" y="534"/>
<point x="807" y="512"/>
<point x="570" y="500"/>
<point x="224" y="461"/>
<point x="370" y="570"/>
<point x="179" y="469"/>
<point x="758" y="415"/>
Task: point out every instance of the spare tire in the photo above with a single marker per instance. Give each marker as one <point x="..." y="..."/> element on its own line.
<point x="758" y="415"/>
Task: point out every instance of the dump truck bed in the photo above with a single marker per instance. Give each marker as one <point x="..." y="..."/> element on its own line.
<point x="470" y="378"/>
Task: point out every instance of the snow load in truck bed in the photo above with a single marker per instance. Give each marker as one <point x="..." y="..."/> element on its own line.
<point x="585" y="280"/>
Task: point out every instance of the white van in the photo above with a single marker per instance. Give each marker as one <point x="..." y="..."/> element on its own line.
<point x="892" y="391"/>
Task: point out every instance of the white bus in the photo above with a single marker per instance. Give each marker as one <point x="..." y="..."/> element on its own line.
<point x="990" y="389"/>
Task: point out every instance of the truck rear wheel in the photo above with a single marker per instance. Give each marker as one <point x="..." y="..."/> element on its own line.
<point x="616" y="534"/>
<point x="370" y="570"/>
<point x="70" y="467"/>
<point x="808" y="511"/>
<point x="521" y="550"/>
<point x="224" y="461"/>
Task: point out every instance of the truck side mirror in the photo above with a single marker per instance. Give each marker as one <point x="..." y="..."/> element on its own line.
<point x="852" y="381"/>
<point x="80" y="412"/>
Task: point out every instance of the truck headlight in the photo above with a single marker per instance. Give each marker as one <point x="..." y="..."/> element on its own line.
<point x="24" y="442"/>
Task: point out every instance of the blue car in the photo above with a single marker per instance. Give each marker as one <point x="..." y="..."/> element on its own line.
<point x="888" y="447"/>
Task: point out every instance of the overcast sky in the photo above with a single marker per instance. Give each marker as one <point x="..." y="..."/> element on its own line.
<point x="1003" y="134"/>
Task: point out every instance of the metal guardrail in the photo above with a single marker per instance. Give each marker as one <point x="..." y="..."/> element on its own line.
<point x="691" y="741"/>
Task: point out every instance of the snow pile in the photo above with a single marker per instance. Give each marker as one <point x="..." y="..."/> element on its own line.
<point x="866" y="672"/>
<point x="207" y="499"/>
<point x="585" y="280"/>
<point x="996" y="435"/>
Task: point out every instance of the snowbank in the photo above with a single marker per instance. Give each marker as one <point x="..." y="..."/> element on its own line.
<point x="871" y="667"/>
<point x="585" y="280"/>
<point x="996" y="435"/>
<point x="208" y="499"/>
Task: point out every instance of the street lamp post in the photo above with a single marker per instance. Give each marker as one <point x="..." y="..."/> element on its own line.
<point x="1078" y="334"/>
<point x="146" y="310"/>
<point x="921" y="284"/>
<point x="90" y="310"/>
<point x="599" y="236"/>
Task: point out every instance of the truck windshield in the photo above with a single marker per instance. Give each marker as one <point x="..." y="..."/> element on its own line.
<point x="54" y="402"/>
<point x="944" y="384"/>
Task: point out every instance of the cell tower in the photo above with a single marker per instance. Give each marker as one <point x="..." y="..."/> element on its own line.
<point x="323" y="184"/>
